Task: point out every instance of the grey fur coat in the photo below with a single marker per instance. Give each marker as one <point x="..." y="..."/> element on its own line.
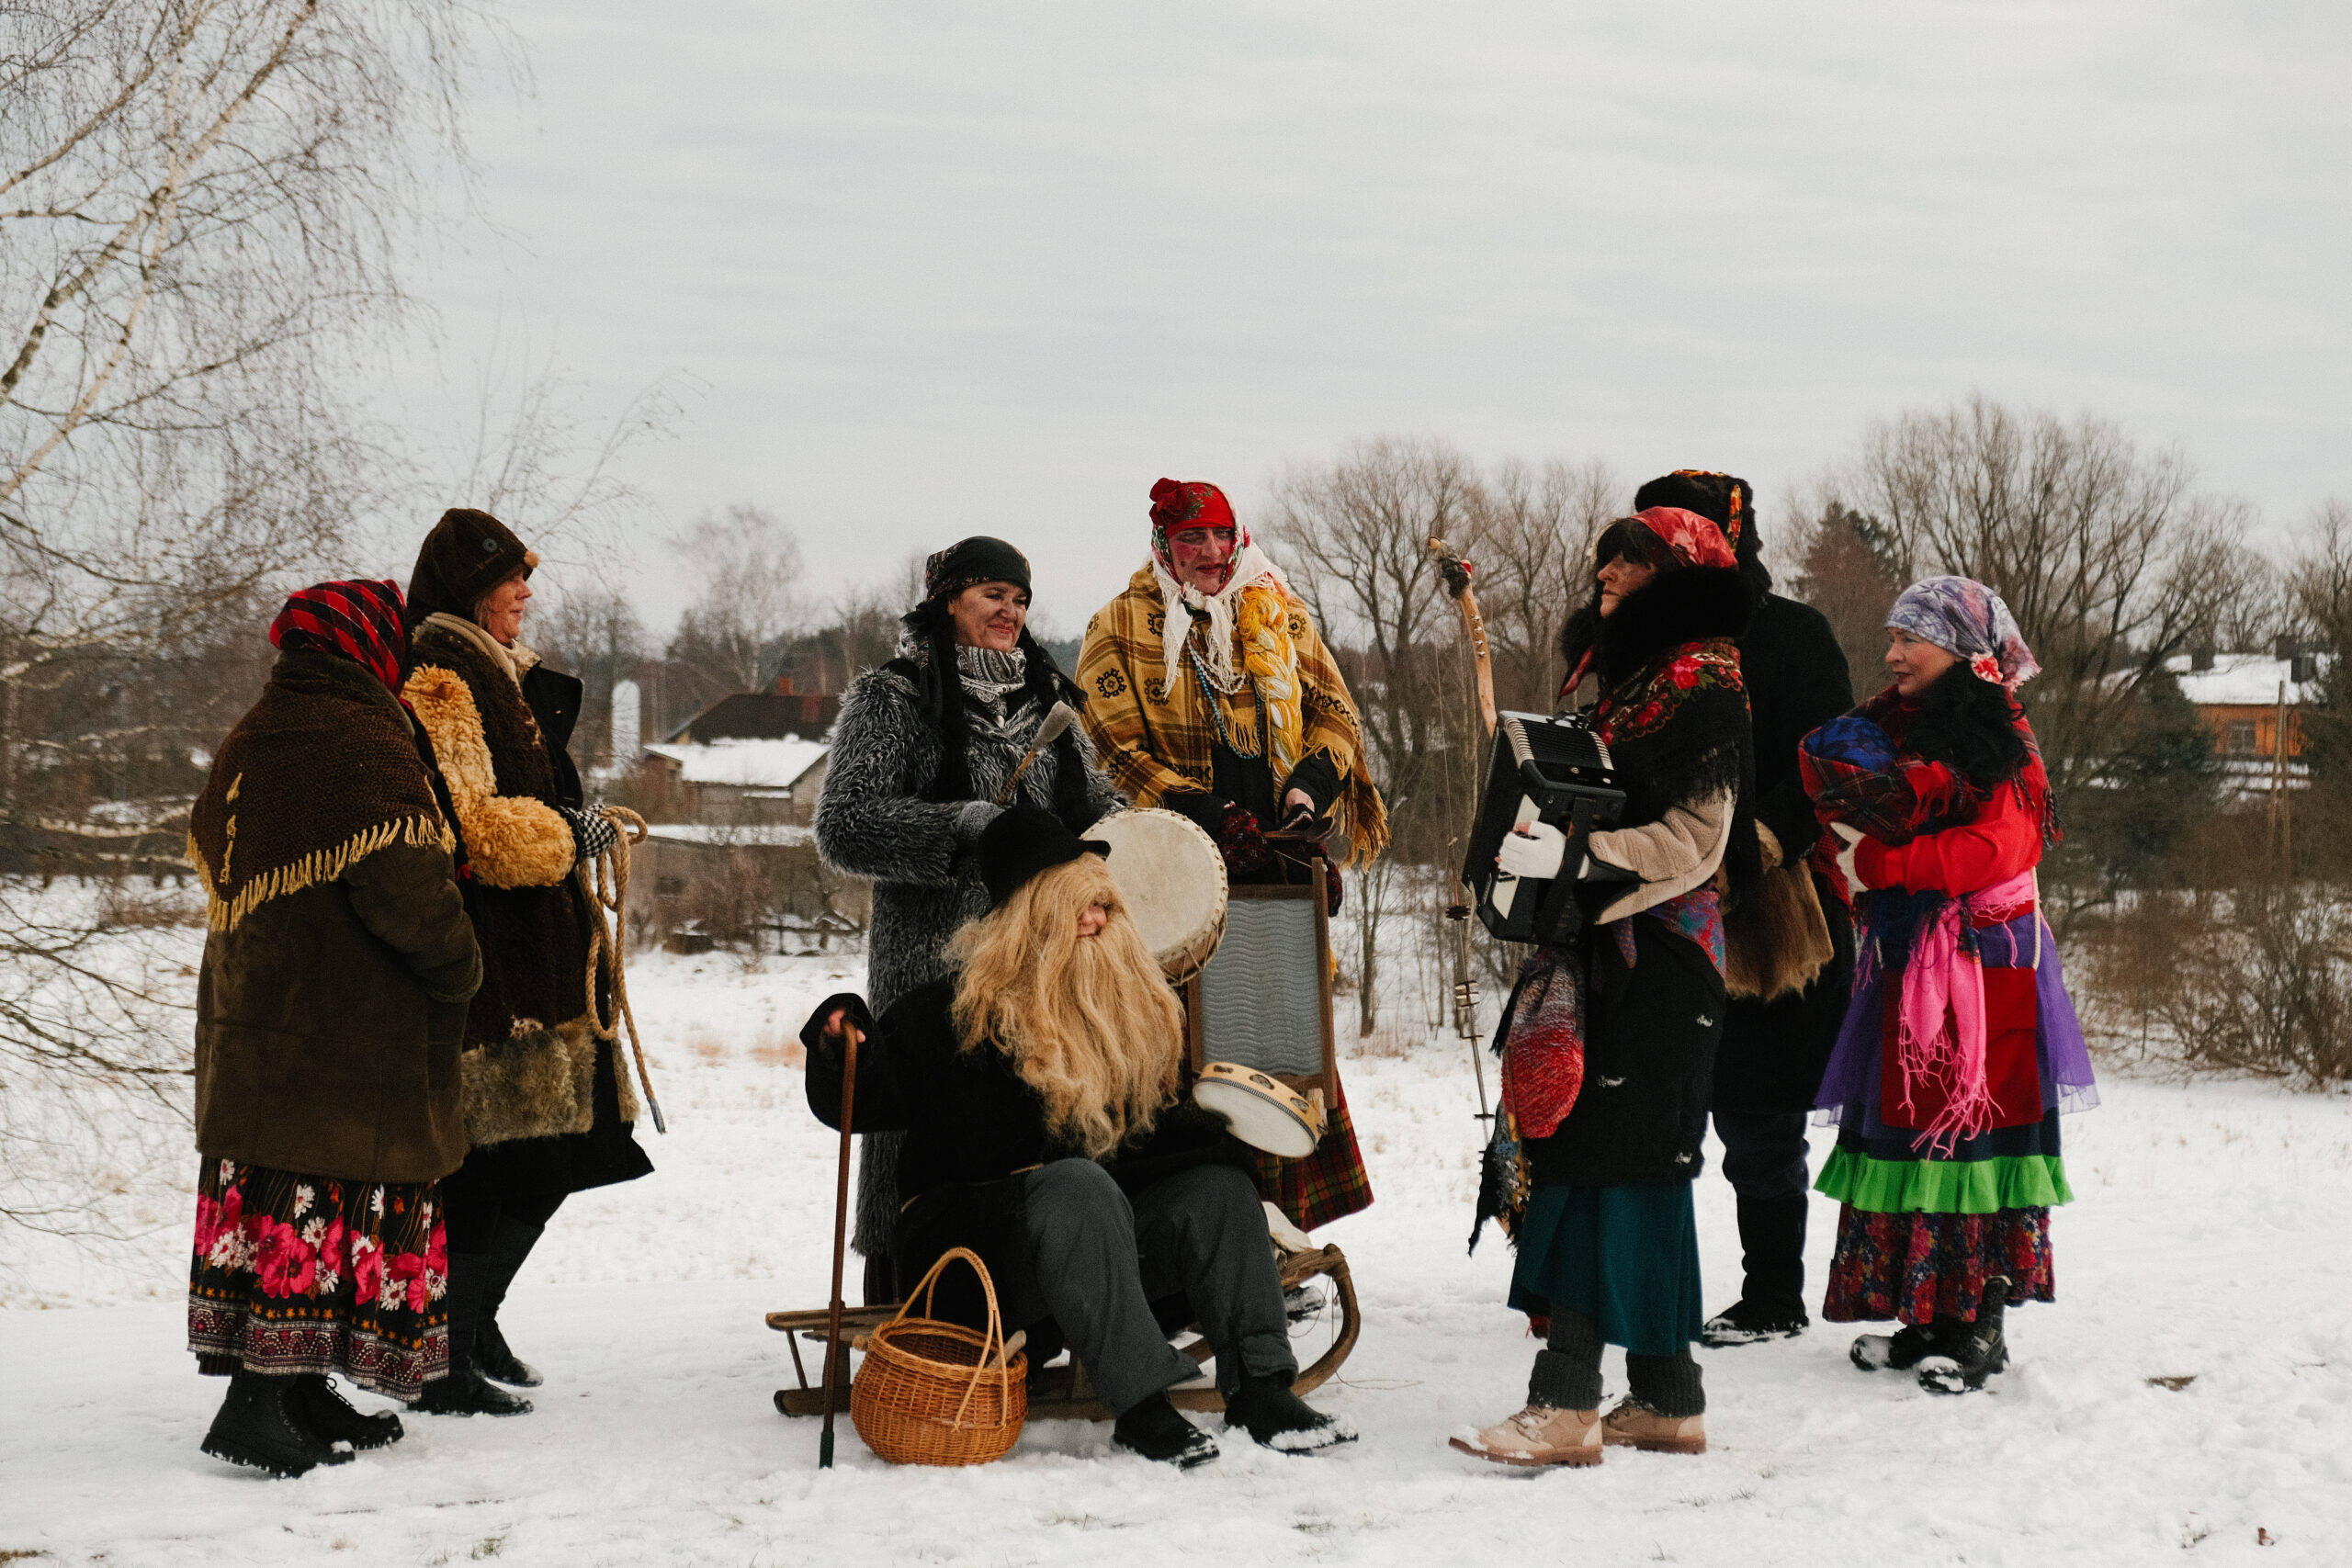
<point x="872" y="821"/>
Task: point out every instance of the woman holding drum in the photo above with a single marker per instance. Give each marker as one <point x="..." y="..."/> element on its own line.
<point x="926" y="746"/>
<point x="1209" y="692"/>
<point x="1609" y="1040"/>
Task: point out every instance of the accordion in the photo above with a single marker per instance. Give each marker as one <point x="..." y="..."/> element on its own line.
<point x="1549" y="770"/>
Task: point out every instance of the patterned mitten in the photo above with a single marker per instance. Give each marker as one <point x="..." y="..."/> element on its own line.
<point x="591" y="833"/>
<point x="1242" y="842"/>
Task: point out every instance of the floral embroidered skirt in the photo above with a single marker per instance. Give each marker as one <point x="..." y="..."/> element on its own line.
<point x="1918" y="1267"/>
<point x="295" y="1273"/>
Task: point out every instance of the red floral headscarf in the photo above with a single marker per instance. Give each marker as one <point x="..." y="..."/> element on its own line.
<point x="1690" y="538"/>
<point x="1180" y="504"/>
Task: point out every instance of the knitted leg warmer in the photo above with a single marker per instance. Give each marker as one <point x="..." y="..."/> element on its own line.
<point x="1669" y="1385"/>
<point x="1567" y="1371"/>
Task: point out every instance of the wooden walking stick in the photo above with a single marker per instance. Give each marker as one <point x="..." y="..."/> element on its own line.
<point x="834" y="1353"/>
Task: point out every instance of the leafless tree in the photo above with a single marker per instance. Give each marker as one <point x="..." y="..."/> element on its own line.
<point x="1356" y="534"/>
<point x="2110" y="560"/>
<point x="1534" y="532"/>
<point x="749" y="566"/>
<point x="203" y="208"/>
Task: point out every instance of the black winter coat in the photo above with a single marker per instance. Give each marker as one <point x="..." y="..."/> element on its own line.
<point x="1651" y="1031"/>
<point x="1773" y="1052"/>
<point x="1652" y="1034"/>
<point x="972" y="1127"/>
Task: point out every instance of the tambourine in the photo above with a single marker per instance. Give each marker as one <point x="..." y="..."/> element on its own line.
<point x="1263" y="1112"/>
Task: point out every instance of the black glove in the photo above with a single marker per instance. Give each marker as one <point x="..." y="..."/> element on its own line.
<point x="591" y="834"/>
<point x="1320" y="781"/>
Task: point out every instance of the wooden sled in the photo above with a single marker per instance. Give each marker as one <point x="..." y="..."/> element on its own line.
<point x="1063" y="1392"/>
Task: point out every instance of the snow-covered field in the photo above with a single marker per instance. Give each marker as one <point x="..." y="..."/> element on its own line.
<point x="2212" y="1242"/>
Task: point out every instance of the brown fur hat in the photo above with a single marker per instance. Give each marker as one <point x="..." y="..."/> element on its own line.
<point x="467" y="554"/>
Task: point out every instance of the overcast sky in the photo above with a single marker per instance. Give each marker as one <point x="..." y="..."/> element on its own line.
<point x="943" y="268"/>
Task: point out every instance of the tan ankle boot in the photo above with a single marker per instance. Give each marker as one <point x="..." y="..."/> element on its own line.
<point x="1636" y="1426"/>
<point x="1538" y="1436"/>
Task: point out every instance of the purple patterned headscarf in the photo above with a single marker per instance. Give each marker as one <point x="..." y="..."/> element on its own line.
<point x="1962" y="616"/>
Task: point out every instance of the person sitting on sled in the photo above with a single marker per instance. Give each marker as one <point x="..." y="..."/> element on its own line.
<point x="1036" y="1087"/>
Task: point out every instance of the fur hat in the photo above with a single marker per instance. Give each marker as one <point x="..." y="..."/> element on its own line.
<point x="1024" y="841"/>
<point x="1724" y="500"/>
<point x="467" y="554"/>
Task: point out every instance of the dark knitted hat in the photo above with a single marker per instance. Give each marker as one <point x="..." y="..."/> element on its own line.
<point x="1024" y="841"/>
<point x="467" y="554"/>
<point x="977" y="559"/>
<point x="1724" y="500"/>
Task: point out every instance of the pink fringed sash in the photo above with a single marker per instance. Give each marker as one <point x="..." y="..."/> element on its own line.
<point x="1945" y="978"/>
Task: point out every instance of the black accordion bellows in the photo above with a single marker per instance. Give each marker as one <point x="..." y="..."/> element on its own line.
<point x="1556" y="771"/>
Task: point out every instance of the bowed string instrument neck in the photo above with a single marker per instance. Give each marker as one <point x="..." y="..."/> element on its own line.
<point x="1455" y="571"/>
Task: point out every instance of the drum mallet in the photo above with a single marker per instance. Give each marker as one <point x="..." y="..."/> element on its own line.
<point x="1062" y="717"/>
<point x="834" y="1354"/>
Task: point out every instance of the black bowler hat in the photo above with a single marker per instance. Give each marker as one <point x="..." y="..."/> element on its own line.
<point x="1024" y="841"/>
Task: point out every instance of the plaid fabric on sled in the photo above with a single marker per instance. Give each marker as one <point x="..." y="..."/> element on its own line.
<point x="1328" y="1184"/>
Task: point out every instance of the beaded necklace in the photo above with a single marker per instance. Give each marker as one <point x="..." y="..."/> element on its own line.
<point x="1216" y="710"/>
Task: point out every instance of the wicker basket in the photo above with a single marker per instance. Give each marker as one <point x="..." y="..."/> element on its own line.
<point x="935" y="1392"/>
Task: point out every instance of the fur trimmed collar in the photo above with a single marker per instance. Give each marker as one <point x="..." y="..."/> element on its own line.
<point x="1694" y="604"/>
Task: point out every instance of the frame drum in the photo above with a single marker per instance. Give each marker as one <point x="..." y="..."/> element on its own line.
<point x="1172" y="880"/>
<point x="1263" y="1112"/>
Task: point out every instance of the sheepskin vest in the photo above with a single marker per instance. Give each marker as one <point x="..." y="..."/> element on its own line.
<point x="531" y="1043"/>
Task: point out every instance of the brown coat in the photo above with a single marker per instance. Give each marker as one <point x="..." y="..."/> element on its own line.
<point x="533" y="1057"/>
<point x="328" y="1016"/>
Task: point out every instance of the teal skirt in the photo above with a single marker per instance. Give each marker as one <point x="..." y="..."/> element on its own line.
<point x="1625" y="1257"/>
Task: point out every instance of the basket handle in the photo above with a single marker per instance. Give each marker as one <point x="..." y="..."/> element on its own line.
<point x="927" y="1287"/>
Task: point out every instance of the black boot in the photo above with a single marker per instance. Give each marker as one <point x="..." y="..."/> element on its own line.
<point x="1158" y="1430"/>
<point x="319" y="1406"/>
<point x="258" y="1425"/>
<point x="1981" y="1349"/>
<point x="1771" y="1300"/>
<point x="1906" y="1346"/>
<point x="509" y="1247"/>
<point x="1278" y="1418"/>
<point x="465" y="1392"/>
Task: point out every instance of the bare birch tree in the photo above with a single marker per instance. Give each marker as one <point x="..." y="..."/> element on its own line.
<point x="203" y="204"/>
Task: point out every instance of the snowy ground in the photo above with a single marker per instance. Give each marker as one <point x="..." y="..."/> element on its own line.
<point x="2209" y="1242"/>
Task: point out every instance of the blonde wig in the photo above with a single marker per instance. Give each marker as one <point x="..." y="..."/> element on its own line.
<point x="1091" y="1024"/>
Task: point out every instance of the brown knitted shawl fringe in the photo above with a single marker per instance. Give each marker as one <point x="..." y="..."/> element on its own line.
<point x="316" y="777"/>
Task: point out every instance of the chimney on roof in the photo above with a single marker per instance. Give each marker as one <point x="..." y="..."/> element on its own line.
<point x="2285" y="648"/>
<point x="2200" y="657"/>
<point x="784" y="685"/>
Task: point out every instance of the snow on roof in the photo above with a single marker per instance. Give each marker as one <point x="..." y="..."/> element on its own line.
<point x="772" y="765"/>
<point x="767" y="834"/>
<point x="2241" y="679"/>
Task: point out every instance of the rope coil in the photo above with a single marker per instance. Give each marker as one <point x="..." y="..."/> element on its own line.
<point x="605" y="881"/>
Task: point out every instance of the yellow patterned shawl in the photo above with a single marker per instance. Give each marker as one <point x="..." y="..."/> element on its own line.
<point x="1155" y="735"/>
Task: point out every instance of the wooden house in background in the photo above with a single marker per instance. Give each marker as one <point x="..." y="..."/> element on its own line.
<point x="2243" y="700"/>
<point x="731" y="859"/>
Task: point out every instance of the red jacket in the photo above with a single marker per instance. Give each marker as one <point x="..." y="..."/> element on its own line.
<point x="2003" y="841"/>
